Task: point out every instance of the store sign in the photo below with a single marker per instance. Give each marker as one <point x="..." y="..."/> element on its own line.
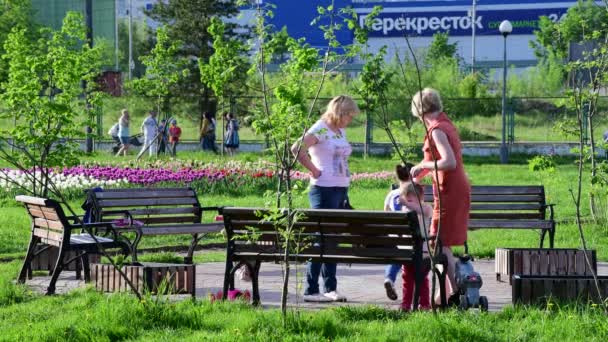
<point x="458" y="23"/>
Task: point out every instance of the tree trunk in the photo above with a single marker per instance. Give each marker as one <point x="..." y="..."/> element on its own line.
<point x="592" y="201"/>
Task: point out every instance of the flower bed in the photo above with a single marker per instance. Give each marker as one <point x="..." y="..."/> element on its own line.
<point x="230" y="178"/>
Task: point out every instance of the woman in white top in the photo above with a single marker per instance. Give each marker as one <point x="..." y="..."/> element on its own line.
<point x="324" y="152"/>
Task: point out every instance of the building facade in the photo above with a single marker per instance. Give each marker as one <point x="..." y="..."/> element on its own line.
<point x="473" y="25"/>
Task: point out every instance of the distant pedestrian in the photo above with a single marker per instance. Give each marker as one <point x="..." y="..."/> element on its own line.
<point x="208" y="132"/>
<point x="174" y="133"/>
<point x="163" y="138"/>
<point x="605" y="136"/>
<point x="232" y="134"/>
<point x="149" y="128"/>
<point x="123" y="133"/>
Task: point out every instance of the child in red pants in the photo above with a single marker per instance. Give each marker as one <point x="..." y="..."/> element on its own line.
<point x="412" y="199"/>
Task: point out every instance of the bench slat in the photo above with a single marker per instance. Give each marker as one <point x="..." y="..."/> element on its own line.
<point x="155" y="220"/>
<point x="507" y="189"/>
<point x="145" y="194"/>
<point x="49" y="234"/>
<point x="49" y="224"/>
<point x="328" y="227"/>
<point x="326" y="258"/>
<point x="43" y="209"/>
<point x="146" y="202"/>
<point x="143" y="189"/>
<point x="326" y="215"/>
<point x="153" y="211"/>
<point x="386" y="241"/>
<point x="524" y="224"/>
<point x="506" y="216"/>
<point x="86" y="239"/>
<point x="342" y="251"/>
<point x="43" y="214"/>
<point x="505" y="206"/>
<point x="32" y="200"/>
<point x="505" y="198"/>
<point x="200" y="228"/>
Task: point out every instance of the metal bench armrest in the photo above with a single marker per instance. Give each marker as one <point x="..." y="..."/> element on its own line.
<point x="550" y="206"/>
<point x="210" y="209"/>
<point x="74" y="219"/>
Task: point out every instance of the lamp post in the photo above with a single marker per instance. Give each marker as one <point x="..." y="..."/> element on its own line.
<point x="474" y="16"/>
<point x="505" y="28"/>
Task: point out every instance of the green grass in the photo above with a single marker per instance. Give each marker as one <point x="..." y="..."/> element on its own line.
<point x="86" y="315"/>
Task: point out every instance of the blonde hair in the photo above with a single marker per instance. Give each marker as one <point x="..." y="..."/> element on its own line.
<point x="426" y="101"/>
<point x="339" y="107"/>
<point x="124" y="117"/>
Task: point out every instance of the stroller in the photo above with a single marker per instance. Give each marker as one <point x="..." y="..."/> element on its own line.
<point x="133" y="140"/>
<point x="469" y="282"/>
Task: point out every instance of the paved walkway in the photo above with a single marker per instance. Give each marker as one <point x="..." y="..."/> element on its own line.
<point x="362" y="284"/>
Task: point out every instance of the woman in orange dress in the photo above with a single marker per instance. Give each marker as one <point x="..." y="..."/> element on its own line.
<point x="451" y="187"/>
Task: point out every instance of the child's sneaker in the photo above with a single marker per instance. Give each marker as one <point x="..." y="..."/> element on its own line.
<point x="335" y="296"/>
<point x="389" y="286"/>
<point x="317" y="298"/>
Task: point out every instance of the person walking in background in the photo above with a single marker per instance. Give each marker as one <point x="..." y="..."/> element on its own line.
<point x="208" y="132"/>
<point x="451" y="186"/>
<point x="123" y="133"/>
<point x="163" y="139"/>
<point x="232" y="134"/>
<point x="174" y="133"/>
<point x="149" y="128"/>
<point x="327" y="163"/>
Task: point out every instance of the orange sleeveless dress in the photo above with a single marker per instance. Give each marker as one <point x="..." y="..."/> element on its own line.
<point x="453" y="188"/>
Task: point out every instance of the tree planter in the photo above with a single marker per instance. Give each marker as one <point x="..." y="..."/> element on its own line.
<point x="47" y="259"/>
<point x="543" y="262"/>
<point x="537" y="289"/>
<point x="179" y="278"/>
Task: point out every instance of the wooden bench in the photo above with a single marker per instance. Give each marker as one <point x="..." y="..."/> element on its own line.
<point x="342" y="236"/>
<point x="164" y="211"/>
<point x="51" y="226"/>
<point x="509" y="207"/>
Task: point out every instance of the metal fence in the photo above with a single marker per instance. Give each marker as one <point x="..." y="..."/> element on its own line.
<point x="527" y="119"/>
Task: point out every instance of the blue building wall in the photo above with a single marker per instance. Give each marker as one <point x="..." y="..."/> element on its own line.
<point x="422" y="18"/>
<point x="298" y="15"/>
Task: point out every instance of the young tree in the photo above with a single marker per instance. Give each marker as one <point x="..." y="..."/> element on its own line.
<point x="45" y="99"/>
<point x="164" y="68"/>
<point x="15" y="14"/>
<point x="554" y="38"/>
<point x="588" y="75"/>
<point x="440" y="49"/>
<point x="286" y="113"/>
<point x="44" y="96"/>
<point x="188" y="21"/>
<point x="226" y="71"/>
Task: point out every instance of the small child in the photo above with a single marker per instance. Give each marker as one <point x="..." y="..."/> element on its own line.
<point x="393" y="203"/>
<point x="412" y="199"/>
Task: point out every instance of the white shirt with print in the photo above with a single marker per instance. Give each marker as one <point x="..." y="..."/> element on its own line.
<point x="150" y="127"/>
<point x="330" y="155"/>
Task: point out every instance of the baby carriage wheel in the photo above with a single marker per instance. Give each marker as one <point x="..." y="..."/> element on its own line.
<point x="483" y="303"/>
